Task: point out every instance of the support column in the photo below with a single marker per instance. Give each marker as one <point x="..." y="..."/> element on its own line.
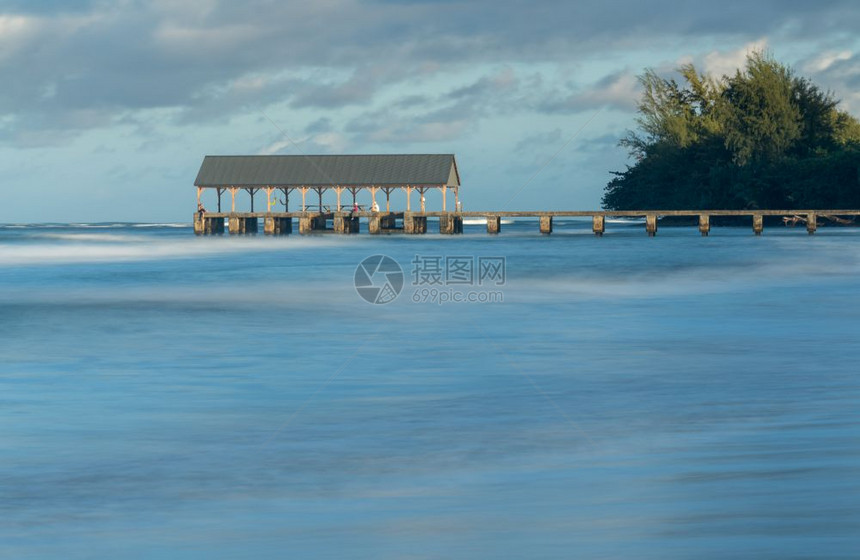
<point x="204" y="225"/>
<point x="408" y="198"/>
<point x="277" y="226"/>
<point x="242" y="226"/>
<point x="387" y="199"/>
<point x="444" y="205"/>
<point x="345" y="222"/>
<point x="651" y="224"/>
<point x="414" y="223"/>
<point x="304" y="200"/>
<point x="233" y="199"/>
<point x="252" y="192"/>
<point x="309" y="223"/>
<point x="598" y="225"/>
<point x="338" y="190"/>
<point x="218" y="190"/>
<point x="704" y="224"/>
<point x="811" y="223"/>
<point x="450" y="224"/>
<point x="494" y="224"/>
<point x="374" y="225"/>
<point x="546" y="224"/>
<point x="758" y="224"/>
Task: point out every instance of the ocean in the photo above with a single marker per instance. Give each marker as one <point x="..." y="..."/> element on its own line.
<point x="511" y="396"/>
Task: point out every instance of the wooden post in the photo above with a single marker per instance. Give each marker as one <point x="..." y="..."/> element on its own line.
<point x="286" y="192"/>
<point x="268" y="200"/>
<point x="494" y="224"/>
<point x="252" y="192"/>
<point x="199" y="192"/>
<point x="444" y="191"/>
<point x="218" y="190"/>
<point x="408" y="198"/>
<point x="704" y="224"/>
<point x="811" y="223"/>
<point x="758" y="224"/>
<point x="456" y="199"/>
<point x="651" y="224"/>
<point x="387" y="200"/>
<point x="423" y="207"/>
<point x="233" y="199"/>
<point x="598" y="225"/>
<point x="373" y="196"/>
<point x="304" y="202"/>
<point x="338" y="190"/>
<point x="319" y="192"/>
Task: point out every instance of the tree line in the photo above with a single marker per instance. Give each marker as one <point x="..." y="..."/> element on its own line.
<point x="762" y="138"/>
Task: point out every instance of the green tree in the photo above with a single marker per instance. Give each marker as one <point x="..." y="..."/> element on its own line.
<point x="761" y="117"/>
<point x="762" y="138"/>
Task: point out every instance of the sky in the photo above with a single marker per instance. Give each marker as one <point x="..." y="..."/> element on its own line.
<point x="108" y="107"/>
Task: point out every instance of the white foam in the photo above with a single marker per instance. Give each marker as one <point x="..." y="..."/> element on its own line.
<point x="167" y="225"/>
<point x="92" y="248"/>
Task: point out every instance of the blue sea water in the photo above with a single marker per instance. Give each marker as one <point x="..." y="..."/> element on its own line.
<point x="166" y="396"/>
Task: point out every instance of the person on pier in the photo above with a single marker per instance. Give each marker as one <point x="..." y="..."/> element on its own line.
<point x="200" y="210"/>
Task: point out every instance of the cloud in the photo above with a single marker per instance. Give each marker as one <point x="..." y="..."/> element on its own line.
<point x="619" y="90"/>
<point x="726" y="63"/>
<point x="838" y="72"/>
<point x="213" y="59"/>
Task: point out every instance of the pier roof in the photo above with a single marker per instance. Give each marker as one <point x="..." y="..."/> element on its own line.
<point x="328" y="170"/>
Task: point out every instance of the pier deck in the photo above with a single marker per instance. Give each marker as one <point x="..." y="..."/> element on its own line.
<point x="452" y="222"/>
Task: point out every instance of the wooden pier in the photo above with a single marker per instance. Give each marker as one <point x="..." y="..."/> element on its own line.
<point x="348" y="222"/>
<point x="279" y="176"/>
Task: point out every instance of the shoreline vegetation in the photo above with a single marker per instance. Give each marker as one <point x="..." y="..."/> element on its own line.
<point x="763" y="138"/>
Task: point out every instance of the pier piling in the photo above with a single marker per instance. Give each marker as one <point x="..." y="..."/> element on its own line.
<point x="242" y="225"/>
<point x="651" y="224"/>
<point x="345" y="222"/>
<point x="757" y="224"/>
<point x="414" y="223"/>
<point x="494" y="224"/>
<point x="374" y="225"/>
<point x="546" y="224"/>
<point x="811" y="223"/>
<point x="450" y="224"/>
<point x="204" y="225"/>
<point x="277" y="226"/>
<point x="704" y="224"/>
<point x="598" y="225"/>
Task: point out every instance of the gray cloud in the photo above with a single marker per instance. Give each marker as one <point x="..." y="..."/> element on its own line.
<point x="70" y="66"/>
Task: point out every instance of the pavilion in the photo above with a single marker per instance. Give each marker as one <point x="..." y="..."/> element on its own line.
<point x="321" y="173"/>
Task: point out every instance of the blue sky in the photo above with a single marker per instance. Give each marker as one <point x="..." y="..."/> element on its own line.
<point x="108" y="107"/>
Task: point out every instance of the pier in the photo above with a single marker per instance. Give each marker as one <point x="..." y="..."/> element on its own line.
<point x="278" y="177"/>
<point x="280" y="223"/>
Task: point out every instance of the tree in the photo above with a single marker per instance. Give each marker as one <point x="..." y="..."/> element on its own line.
<point x="762" y="138"/>
<point x="761" y="117"/>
